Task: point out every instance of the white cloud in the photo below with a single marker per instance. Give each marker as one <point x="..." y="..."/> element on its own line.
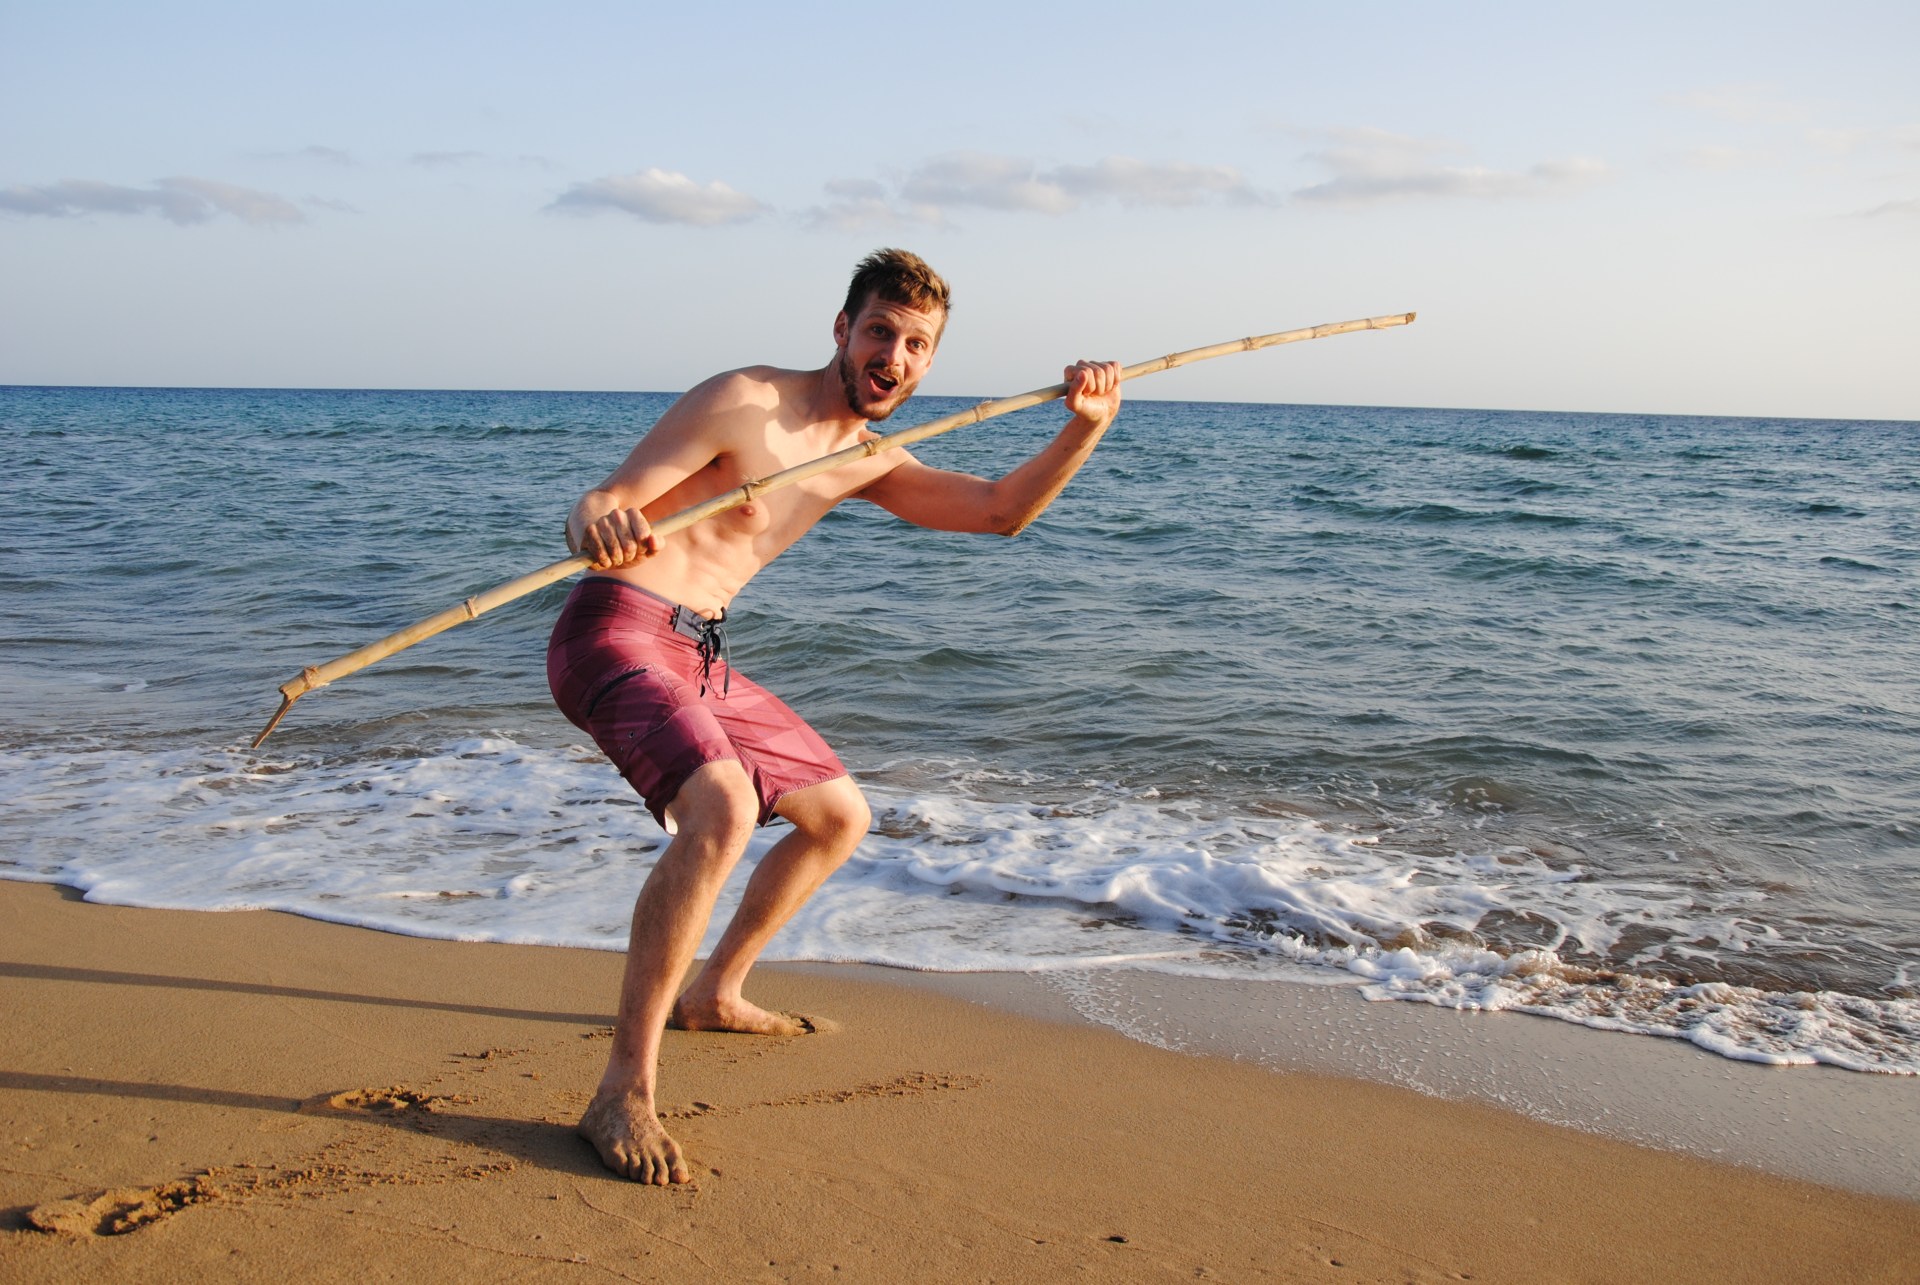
<point x="855" y="189"/>
<point x="983" y="180"/>
<point x="246" y="204"/>
<point x="867" y="213"/>
<point x="86" y="196"/>
<point x="1907" y="209"/>
<point x="1135" y="182"/>
<point x="1372" y="165"/>
<point x="860" y="204"/>
<point x="662" y="196"/>
<point x="181" y="200"/>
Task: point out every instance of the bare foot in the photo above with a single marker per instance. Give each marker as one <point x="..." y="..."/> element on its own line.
<point x="740" y="1016"/>
<point x="630" y="1140"/>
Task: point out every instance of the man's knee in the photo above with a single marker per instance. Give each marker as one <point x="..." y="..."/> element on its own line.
<point x="717" y="801"/>
<point x="833" y="813"/>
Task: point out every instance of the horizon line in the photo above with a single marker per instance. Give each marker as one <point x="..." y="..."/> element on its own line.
<point x="961" y="397"/>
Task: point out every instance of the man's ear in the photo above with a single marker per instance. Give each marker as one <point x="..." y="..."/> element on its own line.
<point x="841" y="329"/>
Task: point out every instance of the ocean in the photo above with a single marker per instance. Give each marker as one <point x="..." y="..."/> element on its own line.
<point x="1611" y="718"/>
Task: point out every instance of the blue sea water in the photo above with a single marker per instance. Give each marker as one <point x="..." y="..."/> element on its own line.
<point x="1612" y="718"/>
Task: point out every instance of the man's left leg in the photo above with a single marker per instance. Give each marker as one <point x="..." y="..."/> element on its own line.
<point x="829" y="820"/>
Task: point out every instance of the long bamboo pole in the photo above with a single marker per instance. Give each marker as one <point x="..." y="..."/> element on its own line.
<point x="315" y="676"/>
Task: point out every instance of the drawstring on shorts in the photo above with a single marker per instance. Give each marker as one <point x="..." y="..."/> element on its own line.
<point x="711" y="635"/>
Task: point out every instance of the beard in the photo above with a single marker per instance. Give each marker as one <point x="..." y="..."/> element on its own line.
<point x="875" y="411"/>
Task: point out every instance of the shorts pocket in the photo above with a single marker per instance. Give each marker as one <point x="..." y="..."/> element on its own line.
<point x="631" y="708"/>
<point x="607" y="688"/>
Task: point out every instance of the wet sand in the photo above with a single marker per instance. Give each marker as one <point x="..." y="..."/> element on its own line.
<point x="1830" y="1126"/>
<point x="255" y="1095"/>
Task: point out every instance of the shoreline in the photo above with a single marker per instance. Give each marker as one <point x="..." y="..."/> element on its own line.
<point x="285" y="1095"/>
<point x="1855" y="1130"/>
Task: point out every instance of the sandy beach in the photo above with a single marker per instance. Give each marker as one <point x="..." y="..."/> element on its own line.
<point x="255" y="1095"/>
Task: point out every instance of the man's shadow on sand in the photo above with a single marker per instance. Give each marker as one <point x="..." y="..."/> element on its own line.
<point x="551" y="1147"/>
<point x="59" y="973"/>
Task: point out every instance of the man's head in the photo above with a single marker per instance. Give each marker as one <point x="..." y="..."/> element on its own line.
<point x="898" y="276"/>
<point x="886" y="333"/>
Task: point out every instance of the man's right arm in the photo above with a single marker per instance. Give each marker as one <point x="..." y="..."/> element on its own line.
<point x="608" y="524"/>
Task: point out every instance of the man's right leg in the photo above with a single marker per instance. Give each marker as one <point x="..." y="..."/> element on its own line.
<point x="715" y="811"/>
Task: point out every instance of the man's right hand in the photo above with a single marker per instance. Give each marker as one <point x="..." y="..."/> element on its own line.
<point x="618" y="537"/>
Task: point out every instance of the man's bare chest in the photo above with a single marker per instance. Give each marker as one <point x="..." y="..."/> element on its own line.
<point x="792" y="506"/>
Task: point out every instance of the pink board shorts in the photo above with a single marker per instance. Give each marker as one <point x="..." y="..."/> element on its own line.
<point x="622" y="673"/>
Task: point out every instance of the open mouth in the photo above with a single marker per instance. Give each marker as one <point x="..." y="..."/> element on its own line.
<point x="872" y="393"/>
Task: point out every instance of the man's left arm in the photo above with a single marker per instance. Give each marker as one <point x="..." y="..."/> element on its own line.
<point x="947" y="501"/>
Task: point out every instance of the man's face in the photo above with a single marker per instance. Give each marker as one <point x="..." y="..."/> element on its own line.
<point x="883" y="354"/>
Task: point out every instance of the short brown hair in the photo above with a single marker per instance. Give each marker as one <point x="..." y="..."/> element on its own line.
<point x="898" y="276"/>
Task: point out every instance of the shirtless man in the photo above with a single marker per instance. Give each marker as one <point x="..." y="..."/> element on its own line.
<point x="636" y="662"/>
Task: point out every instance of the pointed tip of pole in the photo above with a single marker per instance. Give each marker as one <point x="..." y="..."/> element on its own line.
<point x="286" y="703"/>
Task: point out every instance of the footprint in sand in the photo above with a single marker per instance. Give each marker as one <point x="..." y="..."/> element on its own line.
<point x="121" y="1210"/>
<point x="389" y="1101"/>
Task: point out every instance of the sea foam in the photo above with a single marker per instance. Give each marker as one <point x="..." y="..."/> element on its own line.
<point x="489" y="839"/>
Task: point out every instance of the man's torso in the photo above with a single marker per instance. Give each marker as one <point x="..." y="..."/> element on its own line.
<point x="754" y="433"/>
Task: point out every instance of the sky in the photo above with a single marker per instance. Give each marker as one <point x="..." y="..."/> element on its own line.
<point x="1678" y="208"/>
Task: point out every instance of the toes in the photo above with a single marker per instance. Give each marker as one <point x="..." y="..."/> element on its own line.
<point x="673" y="1164"/>
<point x="649" y="1161"/>
<point x="617" y="1158"/>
